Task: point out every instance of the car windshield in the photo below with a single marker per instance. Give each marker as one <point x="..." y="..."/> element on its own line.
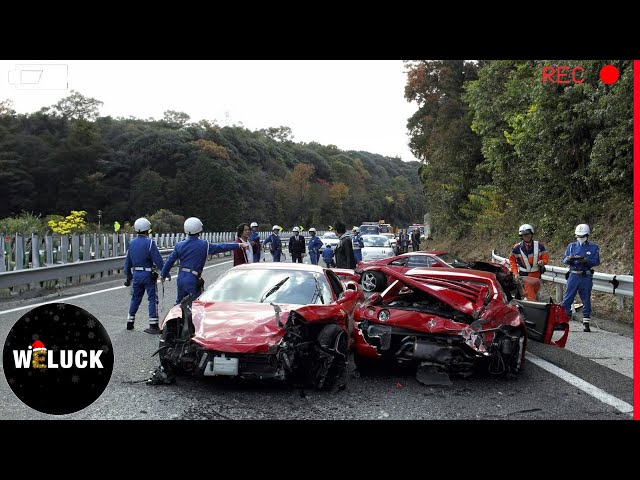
<point x="269" y="286"/>
<point x="369" y="229"/>
<point x="451" y="259"/>
<point x="329" y="235"/>
<point x="375" y="241"/>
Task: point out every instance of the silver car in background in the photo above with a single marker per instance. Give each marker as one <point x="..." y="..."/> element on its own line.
<point x="376" y="247"/>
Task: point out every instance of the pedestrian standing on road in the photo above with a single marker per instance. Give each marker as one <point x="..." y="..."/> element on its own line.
<point x="344" y="249"/>
<point x="415" y="239"/>
<point x="242" y="255"/>
<point x="254" y="239"/>
<point x="192" y="254"/>
<point x="358" y="244"/>
<point x="297" y="246"/>
<point x="527" y="261"/>
<point x="143" y="258"/>
<point x="275" y="243"/>
<point x="314" y="246"/>
<point x="581" y="256"/>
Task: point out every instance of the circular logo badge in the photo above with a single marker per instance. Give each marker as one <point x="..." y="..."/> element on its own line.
<point x="58" y="358"/>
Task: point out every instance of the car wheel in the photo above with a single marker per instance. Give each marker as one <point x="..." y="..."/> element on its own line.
<point x="372" y="281"/>
<point x="330" y="363"/>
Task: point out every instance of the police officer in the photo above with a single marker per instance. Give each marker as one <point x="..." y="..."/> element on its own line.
<point x="192" y="254"/>
<point x="142" y="258"/>
<point x="527" y="259"/>
<point x="358" y="244"/>
<point x="314" y="246"/>
<point x="296" y="246"/>
<point x="254" y="240"/>
<point x="276" y="243"/>
<point x="581" y="256"/>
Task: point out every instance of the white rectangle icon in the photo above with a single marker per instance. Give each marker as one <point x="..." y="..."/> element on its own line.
<point x="40" y="77"/>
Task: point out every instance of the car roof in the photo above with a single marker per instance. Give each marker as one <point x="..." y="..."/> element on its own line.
<point x="424" y="252"/>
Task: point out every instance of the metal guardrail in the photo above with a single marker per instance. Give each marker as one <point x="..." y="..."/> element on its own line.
<point x="619" y="285"/>
<point x="80" y="267"/>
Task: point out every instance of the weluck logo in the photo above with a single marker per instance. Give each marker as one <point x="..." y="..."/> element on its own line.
<point x="38" y="357"/>
<point x="58" y="358"/>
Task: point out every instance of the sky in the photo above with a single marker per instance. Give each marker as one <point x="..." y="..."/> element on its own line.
<point x="353" y="104"/>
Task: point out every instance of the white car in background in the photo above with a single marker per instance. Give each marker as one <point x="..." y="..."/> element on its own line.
<point x="329" y="238"/>
<point x="392" y="238"/>
<point x="376" y="247"/>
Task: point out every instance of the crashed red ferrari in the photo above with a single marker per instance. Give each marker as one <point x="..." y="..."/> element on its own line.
<point x="281" y="321"/>
<point x="449" y="322"/>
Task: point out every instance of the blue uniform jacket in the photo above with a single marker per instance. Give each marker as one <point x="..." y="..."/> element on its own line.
<point x="276" y="243"/>
<point x="143" y="252"/>
<point x="588" y="250"/>
<point x="314" y="243"/>
<point x="193" y="252"/>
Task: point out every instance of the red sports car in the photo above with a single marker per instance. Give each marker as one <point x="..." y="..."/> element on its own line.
<point x="373" y="280"/>
<point x="263" y="321"/>
<point x="450" y="321"/>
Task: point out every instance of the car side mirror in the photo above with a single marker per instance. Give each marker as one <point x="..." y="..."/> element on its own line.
<point x="375" y="299"/>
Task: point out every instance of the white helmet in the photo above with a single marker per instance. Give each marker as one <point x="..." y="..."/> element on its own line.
<point x="526" y="228"/>
<point x="312" y="230"/>
<point x="295" y="229"/>
<point x="141" y="225"/>
<point x="254" y="224"/>
<point x="276" y="227"/>
<point x="583" y="229"/>
<point x="192" y="225"/>
<point x="356" y="229"/>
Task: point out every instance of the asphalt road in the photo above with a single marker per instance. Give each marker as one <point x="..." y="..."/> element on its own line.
<point x="555" y="383"/>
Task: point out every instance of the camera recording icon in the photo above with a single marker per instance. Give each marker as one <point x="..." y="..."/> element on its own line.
<point x="40" y="77"/>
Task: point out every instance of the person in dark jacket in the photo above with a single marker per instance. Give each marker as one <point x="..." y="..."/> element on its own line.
<point x="581" y="256"/>
<point x="143" y="257"/>
<point x="315" y="244"/>
<point x="192" y="254"/>
<point x="297" y="246"/>
<point x="275" y="244"/>
<point x="254" y="239"/>
<point x="415" y="240"/>
<point x="344" y="250"/>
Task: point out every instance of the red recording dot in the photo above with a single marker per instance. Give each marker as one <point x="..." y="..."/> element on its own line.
<point x="609" y="74"/>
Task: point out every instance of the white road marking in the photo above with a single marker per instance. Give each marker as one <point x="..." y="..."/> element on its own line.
<point x="586" y="387"/>
<point x="87" y="294"/>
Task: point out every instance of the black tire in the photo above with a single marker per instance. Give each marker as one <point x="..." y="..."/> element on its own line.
<point x="372" y="281"/>
<point x="331" y="338"/>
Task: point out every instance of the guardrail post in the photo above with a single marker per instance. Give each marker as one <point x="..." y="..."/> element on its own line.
<point x="48" y="249"/>
<point x="620" y="299"/>
<point x="75" y="248"/>
<point x="86" y="248"/>
<point x="559" y="293"/>
<point x="123" y="248"/>
<point x="115" y="245"/>
<point x="35" y="250"/>
<point x="105" y="246"/>
<point x="19" y="258"/>
<point x="64" y="248"/>
<point x="96" y="246"/>
<point x="3" y="258"/>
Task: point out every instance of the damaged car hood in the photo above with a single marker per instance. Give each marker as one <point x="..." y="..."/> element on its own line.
<point x="441" y="287"/>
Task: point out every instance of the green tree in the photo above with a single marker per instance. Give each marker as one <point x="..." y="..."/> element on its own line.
<point x="78" y="106"/>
